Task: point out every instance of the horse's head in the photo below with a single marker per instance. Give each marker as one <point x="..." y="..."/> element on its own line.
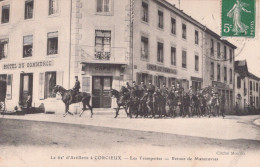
<point x="56" y="89"/>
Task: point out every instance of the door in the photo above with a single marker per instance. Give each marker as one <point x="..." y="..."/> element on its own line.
<point x="101" y="91"/>
<point x="26" y="87"/>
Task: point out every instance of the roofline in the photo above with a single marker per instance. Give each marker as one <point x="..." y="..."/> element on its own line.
<point x="193" y="21"/>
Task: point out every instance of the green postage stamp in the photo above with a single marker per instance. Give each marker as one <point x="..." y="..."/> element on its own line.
<point x="238" y="18"/>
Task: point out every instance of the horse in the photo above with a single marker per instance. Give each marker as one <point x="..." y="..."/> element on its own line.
<point x="68" y="99"/>
<point x="120" y="99"/>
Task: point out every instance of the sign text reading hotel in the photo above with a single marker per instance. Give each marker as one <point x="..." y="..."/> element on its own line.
<point x="27" y="65"/>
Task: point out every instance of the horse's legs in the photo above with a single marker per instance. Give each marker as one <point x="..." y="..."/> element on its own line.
<point x="66" y="110"/>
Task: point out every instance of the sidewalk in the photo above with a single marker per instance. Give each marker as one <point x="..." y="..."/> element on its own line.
<point x="230" y="128"/>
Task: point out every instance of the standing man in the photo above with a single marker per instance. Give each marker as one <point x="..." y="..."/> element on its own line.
<point x="164" y="90"/>
<point x="150" y="89"/>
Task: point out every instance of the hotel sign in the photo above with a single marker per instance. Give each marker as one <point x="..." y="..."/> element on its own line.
<point x="153" y="67"/>
<point x="36" y="64"/>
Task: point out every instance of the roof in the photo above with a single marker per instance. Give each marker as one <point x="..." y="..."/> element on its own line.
<point x="193" y="21"/>
<point x="241" y="68"/>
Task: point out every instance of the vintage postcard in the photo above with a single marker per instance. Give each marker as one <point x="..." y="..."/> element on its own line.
<point x="151" y="83"/>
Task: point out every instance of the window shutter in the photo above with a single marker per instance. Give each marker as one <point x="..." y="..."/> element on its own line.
<point x="41" y="86"/>
<point x="9" y="87"/>
<point x="60" y="78"/>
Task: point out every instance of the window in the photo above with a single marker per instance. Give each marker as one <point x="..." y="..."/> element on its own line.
<point x="50" y="82"/>
<point x="27" y="46"/>
<point x="212" y="71"/>
<point x="53" y="7"/>
<point x="196" y="37"/>
<point x="238" y="82"/>
<point x="251" y="86"/>
<point x="173" y="56"/>
<point x="230" y="55"/>
<point x="196" y="63"/>
<point x="103" y="44"/>
<point x="145" y="12"/>
<point x="173" y="24"/>
<point x="256" y="87"/>
<point x="160" y="52"/>
<point x="184" y="59"/>
<point x="212" y="47"/>
<point x="218" y="50"/>
<point x="28" y="14"/>
<point x="184" y="29"/>
<point x="52" y="43"/>
<point x="225" y="53"/>
<point x="144" y="48"/>
<point x="225" y="74"/>
<point x="230" y="76"/>
<point x="103" y="6"/>
<point x="3" y="48"/>
<point x="218" y="72"/>
<point x="5" y="14"/>
<point x="160" y="19"/>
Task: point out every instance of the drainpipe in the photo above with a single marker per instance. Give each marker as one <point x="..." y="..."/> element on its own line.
<point x="70" y="44"/>
<point x="131" y="38"/>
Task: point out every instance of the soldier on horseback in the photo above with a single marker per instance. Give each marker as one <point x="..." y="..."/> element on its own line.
<point x="75" y="89"/>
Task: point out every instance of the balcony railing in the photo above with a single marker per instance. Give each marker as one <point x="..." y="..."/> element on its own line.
<point x="116" y="55"/>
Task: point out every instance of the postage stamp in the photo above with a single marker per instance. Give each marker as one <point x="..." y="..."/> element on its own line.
<point x="238" y="18"/>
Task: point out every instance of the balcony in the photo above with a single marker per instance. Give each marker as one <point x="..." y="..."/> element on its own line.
<point x="118" y="55"/>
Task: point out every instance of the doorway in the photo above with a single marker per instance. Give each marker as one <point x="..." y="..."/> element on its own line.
<point x="26" y="87"/>
<point x="101" y="91"/>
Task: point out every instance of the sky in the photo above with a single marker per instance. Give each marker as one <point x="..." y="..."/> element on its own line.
<point x="208" y="12"/>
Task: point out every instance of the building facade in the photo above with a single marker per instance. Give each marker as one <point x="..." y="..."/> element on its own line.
<point x="246" y="88"/>
<point x="35" y="50"/>
<point x="106" y="43"/>
<point x="218" y="66"/>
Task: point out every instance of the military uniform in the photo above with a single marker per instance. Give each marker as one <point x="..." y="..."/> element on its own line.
<point x="164" y="91"/>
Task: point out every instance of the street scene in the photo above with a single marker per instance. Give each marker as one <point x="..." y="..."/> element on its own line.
<point x="129" y="82"/>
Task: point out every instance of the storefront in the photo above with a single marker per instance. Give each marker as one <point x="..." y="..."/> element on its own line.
<point x="99" y="79"/>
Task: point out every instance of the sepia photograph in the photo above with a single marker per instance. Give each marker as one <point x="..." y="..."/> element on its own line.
<point x="151" y="83"/>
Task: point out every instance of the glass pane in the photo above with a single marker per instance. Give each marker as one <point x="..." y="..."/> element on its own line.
<point x="99" y="5"/>
<point x="97" y="84"/>
<point x="107" y="85"/>
<point x="28" y="40"/>
<point x="25" y="83"/>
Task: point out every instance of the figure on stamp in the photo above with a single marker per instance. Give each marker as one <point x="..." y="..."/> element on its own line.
<point x="235" y="13"/>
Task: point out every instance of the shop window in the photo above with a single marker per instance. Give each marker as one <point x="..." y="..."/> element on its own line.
<point x="218" y="73"/>
<point x="103" y="6"/>
<point x="3" y="48"/>
<point x="144" y="48"/>
<point x="52" y="43"/>
<point x="196" y="63"/>
<point x="27" y="46"/>
<point x="5" y="14"/>
<point x="28" y="14"/>
<point x="173" y="56"/>
<point x="50" y="82"/>
<point x="196" y="37"/>
<point x="144" y="12"/>
<point x="212" y="71"/>
<point x="184" y="59"/>
<point x="53" y="7"/>
<point x="173" y="26"/>
<point x="160" y="19"/>
<point x="160" y="52"/>
<point x="102" y="44"/>
<point x="184" y="31"/>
